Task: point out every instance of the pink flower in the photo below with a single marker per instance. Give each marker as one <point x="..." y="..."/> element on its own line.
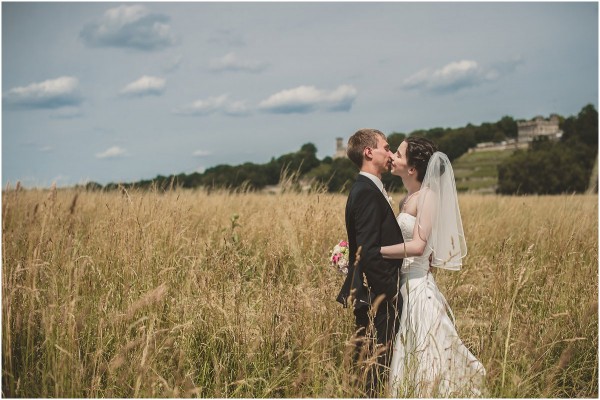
<point x="339" y="257"/>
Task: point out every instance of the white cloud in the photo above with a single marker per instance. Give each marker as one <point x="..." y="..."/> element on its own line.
<point x="457" y="75"/>
<point x="212" y="105"/>
<point x="146" y="85"/>
<point x="305" y="99"/>
<point x="68" y="112"/>
<point x="53" y="93"/>
<point x="236" y="108"/>
<point x="201" y="153"/>
<point x="230" y="62"/>
<point x="112" y="152"/>
<point x="203" y="107"/>
<point x="129" y="27"/>
<point x="173" y="64"/>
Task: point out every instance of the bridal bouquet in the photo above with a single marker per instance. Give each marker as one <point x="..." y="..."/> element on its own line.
<point x="340" y="257"/>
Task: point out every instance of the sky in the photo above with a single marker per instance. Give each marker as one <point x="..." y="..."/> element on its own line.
<point x="120" y="92"/>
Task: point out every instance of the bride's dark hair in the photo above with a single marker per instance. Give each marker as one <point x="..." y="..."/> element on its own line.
<point x="418" y="152"/>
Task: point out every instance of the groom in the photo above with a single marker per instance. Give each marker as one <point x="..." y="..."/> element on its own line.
<point x="372" y="283"/>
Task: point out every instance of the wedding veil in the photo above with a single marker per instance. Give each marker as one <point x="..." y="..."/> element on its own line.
<point x="438" y="215"/>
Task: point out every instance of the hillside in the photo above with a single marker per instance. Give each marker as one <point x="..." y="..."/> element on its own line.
<point x="478" y="172"/>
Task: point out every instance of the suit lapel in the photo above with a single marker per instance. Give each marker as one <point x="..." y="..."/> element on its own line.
<point x="363" y="178"/>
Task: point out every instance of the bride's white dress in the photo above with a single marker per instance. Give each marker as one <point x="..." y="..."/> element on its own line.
<point x="429" y="359"/>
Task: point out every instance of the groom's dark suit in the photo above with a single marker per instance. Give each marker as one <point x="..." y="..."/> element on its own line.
<point x="370" y="224"/>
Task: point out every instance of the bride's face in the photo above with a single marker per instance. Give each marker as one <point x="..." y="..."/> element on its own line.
<point x="399" y="164"/>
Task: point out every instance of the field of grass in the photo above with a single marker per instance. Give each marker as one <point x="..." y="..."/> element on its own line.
<point x="191" y="294"/>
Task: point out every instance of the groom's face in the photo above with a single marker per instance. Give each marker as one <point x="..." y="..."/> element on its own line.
<point x="382" y="156"/>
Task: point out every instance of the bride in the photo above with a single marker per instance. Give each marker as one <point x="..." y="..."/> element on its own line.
<point x="428" y="358"/>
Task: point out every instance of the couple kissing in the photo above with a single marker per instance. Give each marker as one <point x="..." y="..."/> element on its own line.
<point x="403" y="321"/>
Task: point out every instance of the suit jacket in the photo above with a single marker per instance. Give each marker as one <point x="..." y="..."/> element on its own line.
<point x="370" y="223"/>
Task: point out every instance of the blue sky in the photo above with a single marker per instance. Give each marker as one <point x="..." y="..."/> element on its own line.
<point x="112" y="92"/>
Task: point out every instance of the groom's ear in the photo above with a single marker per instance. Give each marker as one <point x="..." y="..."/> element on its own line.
<point x="367" y="153"/>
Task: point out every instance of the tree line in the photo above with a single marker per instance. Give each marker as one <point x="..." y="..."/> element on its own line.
<point x="545" y="168"/>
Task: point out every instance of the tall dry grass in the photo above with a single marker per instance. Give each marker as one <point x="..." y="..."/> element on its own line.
<point x="196" y="294"/>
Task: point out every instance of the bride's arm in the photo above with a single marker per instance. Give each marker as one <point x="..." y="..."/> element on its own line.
<point x="421" y="231"/>
<point x="415" y="247"/>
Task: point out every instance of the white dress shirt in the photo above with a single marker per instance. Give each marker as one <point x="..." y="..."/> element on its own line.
<point x="377" y="183"/>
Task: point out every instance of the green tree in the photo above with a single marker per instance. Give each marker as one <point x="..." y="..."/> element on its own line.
<point x="394" y="139"/>
<point x="587" y="126"/>
<point x="341" y="175"/>
<point x="554" y="167"/>
<point x="544" y="169"/>
<point x="487" y="133"/>
<point x="508" y="126"/>
<point x="93" y="186"/>
<point x="456" y="143"/>
<point x="303" y="160"/>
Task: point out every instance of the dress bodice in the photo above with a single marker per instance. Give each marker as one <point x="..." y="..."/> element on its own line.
<point x="416" y="266"/>
<point x="407" y="223"/>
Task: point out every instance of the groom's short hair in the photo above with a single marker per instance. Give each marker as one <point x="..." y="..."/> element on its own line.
<point x="362" y="138"/>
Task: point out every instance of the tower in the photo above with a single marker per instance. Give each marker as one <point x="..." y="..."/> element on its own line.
<point x="340" y="149"/>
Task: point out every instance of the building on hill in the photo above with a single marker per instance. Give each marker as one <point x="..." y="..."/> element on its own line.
<point x="539" y="126"/>
<point x="340" y="148"/>
<point x="527" y="131"/>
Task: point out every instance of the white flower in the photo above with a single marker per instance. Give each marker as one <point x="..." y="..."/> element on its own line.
<point x="340" y="257"/>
